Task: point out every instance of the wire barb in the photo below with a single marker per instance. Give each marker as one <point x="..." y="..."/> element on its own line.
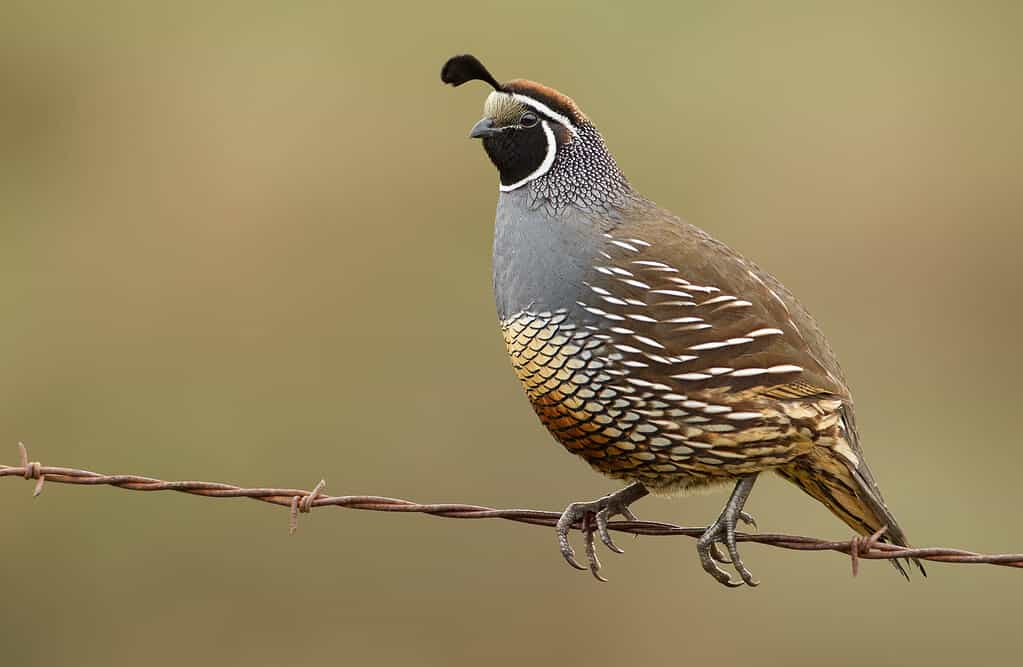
<point x="303" y="504"/>
<point x="33" y="470"/>
<point x="861" y="545"/>
<point x="300" y="500"/>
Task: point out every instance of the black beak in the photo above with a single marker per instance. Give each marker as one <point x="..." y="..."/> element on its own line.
<point x="484" y="128"/>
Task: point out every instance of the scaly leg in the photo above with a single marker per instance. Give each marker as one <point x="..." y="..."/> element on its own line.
<point x="599" y="511"/>
<point x="723" y="530"/>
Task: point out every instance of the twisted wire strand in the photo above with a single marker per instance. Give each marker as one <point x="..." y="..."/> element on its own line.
<point x="301" y="500"/>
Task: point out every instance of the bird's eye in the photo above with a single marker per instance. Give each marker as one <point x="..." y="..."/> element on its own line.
<point x="528" y="119"/>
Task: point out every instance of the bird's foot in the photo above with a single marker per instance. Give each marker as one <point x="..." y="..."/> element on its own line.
<point x="722" y="556"/>
<point x="593" y="517"/>
<point x="722" y="531"/>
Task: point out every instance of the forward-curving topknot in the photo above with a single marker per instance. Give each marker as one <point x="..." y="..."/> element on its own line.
<point x="459" y="69"/>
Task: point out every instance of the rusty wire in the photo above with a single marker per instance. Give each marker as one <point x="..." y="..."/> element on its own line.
<point x="301" y="500"/>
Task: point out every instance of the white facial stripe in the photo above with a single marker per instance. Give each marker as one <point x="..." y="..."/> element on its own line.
<point x="546" y="110"/>
<point x="548" y="160"/>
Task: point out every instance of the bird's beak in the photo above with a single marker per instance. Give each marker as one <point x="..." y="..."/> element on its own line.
<point x="484" y="128"/>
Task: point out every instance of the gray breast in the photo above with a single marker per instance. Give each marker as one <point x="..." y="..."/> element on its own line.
<point x="540" y="260"/>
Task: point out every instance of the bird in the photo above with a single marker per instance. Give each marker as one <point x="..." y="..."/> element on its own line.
<point x="659" y="355"/>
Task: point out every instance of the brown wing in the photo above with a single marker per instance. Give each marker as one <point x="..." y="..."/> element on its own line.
<point x="683" y="307"/>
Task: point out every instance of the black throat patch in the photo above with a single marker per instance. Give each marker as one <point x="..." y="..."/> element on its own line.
<point x="517" y="152"/>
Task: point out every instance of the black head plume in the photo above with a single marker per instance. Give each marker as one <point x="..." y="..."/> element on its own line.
<point x="459" y="69"/>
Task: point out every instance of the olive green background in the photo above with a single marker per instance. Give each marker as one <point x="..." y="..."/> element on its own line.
<point x="250" y="242"/>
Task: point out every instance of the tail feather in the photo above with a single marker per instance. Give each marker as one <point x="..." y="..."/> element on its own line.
<point x="849" y="491"/>
<point x="870" y="495"/>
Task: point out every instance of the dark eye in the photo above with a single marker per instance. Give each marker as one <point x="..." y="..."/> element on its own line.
<point x="528" y="119"/>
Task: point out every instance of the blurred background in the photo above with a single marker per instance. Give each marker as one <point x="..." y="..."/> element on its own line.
<point x="250" y="242"/>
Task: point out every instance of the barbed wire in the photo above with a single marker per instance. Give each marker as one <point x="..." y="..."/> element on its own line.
<point x="303" y="501"/>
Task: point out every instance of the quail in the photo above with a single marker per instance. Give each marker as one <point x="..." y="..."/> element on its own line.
<point x="658" y="354"/>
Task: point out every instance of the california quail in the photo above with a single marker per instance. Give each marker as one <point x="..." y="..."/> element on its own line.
<point x="656" y="353"/>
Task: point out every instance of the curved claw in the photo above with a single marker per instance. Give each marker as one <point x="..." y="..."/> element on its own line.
<point x="564" y="525"/>
<point x="708" y="550"/>
<point x="717" y="554"/>
<point x="733" y="552"/>
<point x="715" y="548"/>
<point x="593" y="517"/>
<point x="723" y="531"/>
<point x="605" y="535"/>
<point x="591" y="549"/>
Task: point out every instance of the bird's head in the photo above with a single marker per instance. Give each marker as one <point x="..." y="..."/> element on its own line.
<point x="524" y="123"/>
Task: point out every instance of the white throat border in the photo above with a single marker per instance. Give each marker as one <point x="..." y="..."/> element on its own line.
<point x="545" y="166"/>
